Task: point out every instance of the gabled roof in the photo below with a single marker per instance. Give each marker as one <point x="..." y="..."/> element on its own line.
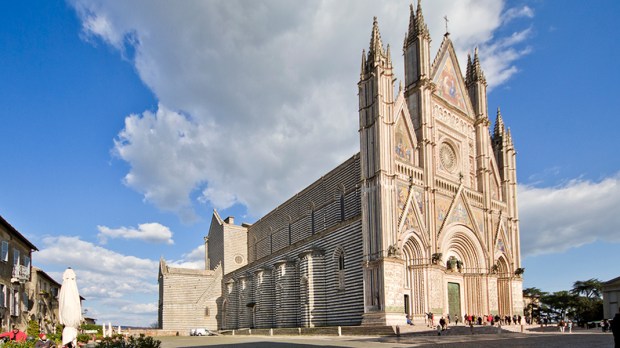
<point x="21" y="237"/>
<point x="610" y="282"/>
<point x="46" y="276"/>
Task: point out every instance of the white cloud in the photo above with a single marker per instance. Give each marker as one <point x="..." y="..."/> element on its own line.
<point x="108" y="280"/>
<point x="517" y="12"/>
<point x="258" y="99"/>
<point x="151" y="232"/>
<point x="195" y="259"/>
<point x="580" y="212"/>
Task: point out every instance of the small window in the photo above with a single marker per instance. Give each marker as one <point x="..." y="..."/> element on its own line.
<point x="26" y="301"/>
<point x="15" y="257"/>
<point x="3" y="294"/>
<point x="27" y="261"/>
<point x="206" y="311"/>
<point x="340" y="269"/>
<point x="4" y="254"/>
<point x="15" y="303"/>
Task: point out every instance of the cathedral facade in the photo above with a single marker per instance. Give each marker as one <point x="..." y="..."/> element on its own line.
<point x="423" y="219"/>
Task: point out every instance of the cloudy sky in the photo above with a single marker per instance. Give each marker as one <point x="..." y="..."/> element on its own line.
<point x="125" y="123"/>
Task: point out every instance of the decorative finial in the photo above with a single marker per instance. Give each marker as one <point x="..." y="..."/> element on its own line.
<point x="446" y="19"/>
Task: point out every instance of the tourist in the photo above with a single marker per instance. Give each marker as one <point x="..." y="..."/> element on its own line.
<point x="456" y="319"/>
<point x="561" y="325"/>
<point x="615" y="329"/>
<point x="15" y="335"/>
<point x="409" y="322"/>
<point x="442" y="323"/>
<point x="43" y="342"/>
<point x="605" y="325"/>
<point x="569" y="324"/>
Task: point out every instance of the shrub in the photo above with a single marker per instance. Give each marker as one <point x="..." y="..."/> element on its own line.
<point x="84" y="338"/>
<point x="119" y="341"/>
<point x="15" y="344"/>
<point x="33" y="329"/>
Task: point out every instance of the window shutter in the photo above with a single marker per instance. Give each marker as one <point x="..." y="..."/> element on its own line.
<point x="25" y="299"/>
<point x="4" y="254"/>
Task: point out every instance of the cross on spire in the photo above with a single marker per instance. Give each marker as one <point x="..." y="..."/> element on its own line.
<point x="446" y="19"/>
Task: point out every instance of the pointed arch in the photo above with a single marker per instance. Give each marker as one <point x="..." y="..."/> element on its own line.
<point x="414" y="249"/>
<point x="461" y="242"/>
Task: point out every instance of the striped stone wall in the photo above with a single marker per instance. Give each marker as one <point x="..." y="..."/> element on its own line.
<point x="188" y="298"/>
<point x="301" y="285"/>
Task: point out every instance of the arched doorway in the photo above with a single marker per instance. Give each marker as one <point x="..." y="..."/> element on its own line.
<point x="464" y="257"/>
<point x="415" y="285"/>
<point x="503" y="287"/>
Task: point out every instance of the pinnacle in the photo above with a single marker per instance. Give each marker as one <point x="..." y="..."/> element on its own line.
<point x="499" y="124"/>
<point x="420" y="26"/>
<point x="477" y="74"/>
<point x="417" y="26"/>
<point x="376" y="46"/>
<point x="468" y="78"/>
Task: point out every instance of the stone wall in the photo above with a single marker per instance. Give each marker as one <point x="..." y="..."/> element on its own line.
<point x="189" y="298"/>
<point x="305" y="282"/>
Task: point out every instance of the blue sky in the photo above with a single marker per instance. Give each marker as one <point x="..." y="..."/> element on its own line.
<point x="124" y="124"/>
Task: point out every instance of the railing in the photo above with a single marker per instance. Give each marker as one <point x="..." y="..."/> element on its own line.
<point x="21" y="273"/>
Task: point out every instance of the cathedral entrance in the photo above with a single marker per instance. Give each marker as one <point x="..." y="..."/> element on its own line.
<point x="454" y="300"/>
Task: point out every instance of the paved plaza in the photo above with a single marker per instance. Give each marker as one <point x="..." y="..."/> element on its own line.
<point x="589" y="339"/>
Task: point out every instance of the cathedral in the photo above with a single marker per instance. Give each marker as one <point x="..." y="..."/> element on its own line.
<point x="422" y="220"/>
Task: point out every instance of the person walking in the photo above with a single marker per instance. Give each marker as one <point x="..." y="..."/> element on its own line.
<point x="615" y="328"/>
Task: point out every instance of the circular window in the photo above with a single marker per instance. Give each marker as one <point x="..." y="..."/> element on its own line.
<point x="447" y="157"/>
<point x="238" y="259"/>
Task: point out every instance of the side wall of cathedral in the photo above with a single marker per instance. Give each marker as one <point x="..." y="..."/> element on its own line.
<point x="307" y="260"/>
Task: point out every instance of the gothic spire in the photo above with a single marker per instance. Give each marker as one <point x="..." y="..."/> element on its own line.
<point x="417" y="26"/>
<point x="476" y="69"/>
<point x="376" y="46"/>
<point x="499" y="125"/>
<point x="363" y="62"/>
<point x="509" y="138"/>
<point x="468" y="78"/>
<point x="420" y="26"/>
<point x="410" y="32"/>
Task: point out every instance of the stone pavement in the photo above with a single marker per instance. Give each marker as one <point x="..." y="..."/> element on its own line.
<point x="593" y="339"/>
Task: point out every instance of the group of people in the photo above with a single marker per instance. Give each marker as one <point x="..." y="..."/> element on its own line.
<point x="492" y="320"/>
<point x="470" y="319"/>
<point x="565" y="324"/>
<point x="19" y="336"/>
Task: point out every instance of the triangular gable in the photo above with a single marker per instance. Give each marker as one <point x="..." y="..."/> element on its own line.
<point x="448" y="78"/>
<point x="405" y="140"/>
<point x="501" y="240"/>
<point x="410" y="215"/>
<point x="460" y="212"/>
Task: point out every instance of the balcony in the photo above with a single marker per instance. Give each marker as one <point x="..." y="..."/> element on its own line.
<point x="21" y="274"/>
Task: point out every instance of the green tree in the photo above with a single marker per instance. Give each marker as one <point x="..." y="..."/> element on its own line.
<point x="590" y="288"/>
<point x="558" y="305"/>
<point x="589" y="304"/>
<point x="533" y="292"/>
